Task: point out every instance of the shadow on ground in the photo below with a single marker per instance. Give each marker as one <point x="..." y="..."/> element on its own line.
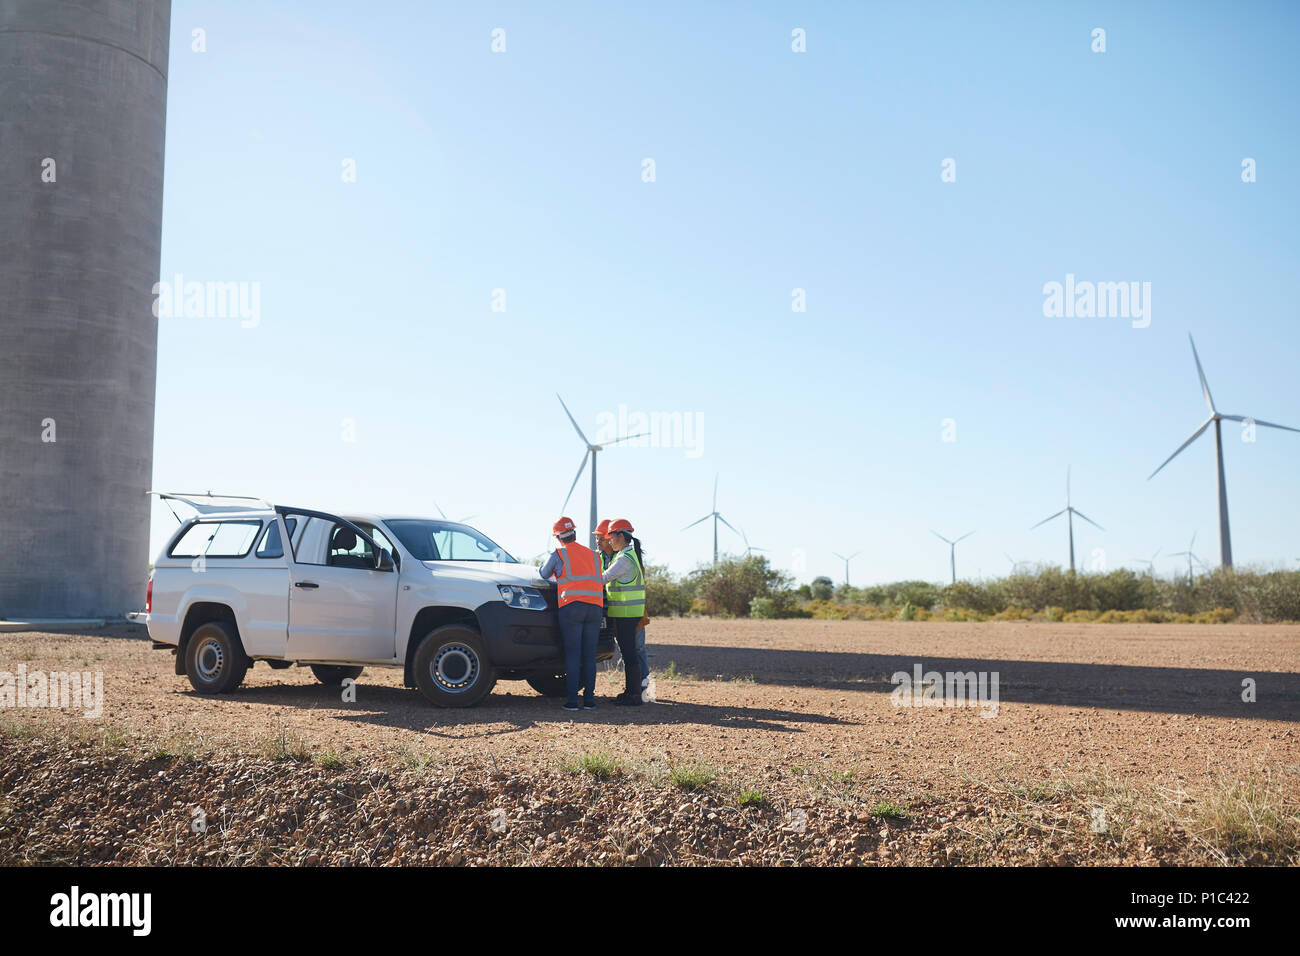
<point x="1174" y="690"/>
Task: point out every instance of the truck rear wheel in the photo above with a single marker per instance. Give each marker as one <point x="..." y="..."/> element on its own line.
<point x="452" y="668"/>
<point x="548" y="685"/>
<point x="214" y="659"/>
<point x="335" y="674"/>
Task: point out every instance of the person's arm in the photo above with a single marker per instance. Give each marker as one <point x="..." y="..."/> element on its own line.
<point x="551" y="566"/>
<point x="617" y="569"/>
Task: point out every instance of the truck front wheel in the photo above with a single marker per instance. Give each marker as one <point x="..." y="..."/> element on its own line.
<point x="452" y="668"/>
<point x="214" y="659"/>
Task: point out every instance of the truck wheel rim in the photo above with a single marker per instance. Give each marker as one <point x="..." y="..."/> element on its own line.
<point x="209" y="660"/>
<point x="455" y="668"/>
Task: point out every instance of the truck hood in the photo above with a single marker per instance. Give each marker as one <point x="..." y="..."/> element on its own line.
<point x="489" y="572"/>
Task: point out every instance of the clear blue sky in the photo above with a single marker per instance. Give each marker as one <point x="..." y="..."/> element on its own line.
<point x="522" y="171"/>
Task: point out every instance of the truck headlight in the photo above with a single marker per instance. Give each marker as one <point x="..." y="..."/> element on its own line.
<point x="529" y="599"/>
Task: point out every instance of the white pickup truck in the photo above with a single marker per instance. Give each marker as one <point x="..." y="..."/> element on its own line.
<point x="436" y="598"/>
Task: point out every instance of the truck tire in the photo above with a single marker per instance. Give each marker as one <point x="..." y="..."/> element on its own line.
<point x="333" y="675"/>
<point x="548" y="685"/>
<point x="452" y="668"/>
<point x="214" y="659"/>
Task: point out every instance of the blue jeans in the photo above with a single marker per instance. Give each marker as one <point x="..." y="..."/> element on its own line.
<point x="580" y="629"/>
<point x="643" y="656"/>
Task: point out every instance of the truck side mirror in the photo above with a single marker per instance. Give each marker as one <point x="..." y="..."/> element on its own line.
<point x="384" y="560"/>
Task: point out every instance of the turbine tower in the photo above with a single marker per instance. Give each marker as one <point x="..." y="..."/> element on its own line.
<point x="952" y="550"/>
<point x="1216" y="418"/>
<point x="590" y="453"/>
<point x="83" y="126"/>
<point x="716" y="518"/>
<point x="1069" y="511"/>
<point x="846" y="563"/>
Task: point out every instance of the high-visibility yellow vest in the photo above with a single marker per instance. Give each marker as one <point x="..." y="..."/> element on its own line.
<point x="626" y="598"/>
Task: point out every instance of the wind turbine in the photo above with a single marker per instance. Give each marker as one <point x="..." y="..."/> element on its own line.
<point x="1216" y="418"/>
<point x="952" y="550"/>
<point x="1015" y="565"/>
<point x="716" y="518"/>
<point x="1191" y="556"/>
<point x="846" y="563"/>
<point x="748" y="547"/>
<point x="592" y="449"/>
<point x="1149" y="562"/>
<point x="1069" y="511"/>
<point x="458" y="520"/>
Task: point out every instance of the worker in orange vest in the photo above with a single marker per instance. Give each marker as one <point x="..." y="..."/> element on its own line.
<point x="581" y="599"/>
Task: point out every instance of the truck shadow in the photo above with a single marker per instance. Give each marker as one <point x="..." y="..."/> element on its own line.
<point x="1170" y="690"/>
<point x="385" y="706"/>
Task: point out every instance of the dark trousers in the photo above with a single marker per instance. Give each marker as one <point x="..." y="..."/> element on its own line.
<point x="625" y="629"/>
<point x="580" y="629"/>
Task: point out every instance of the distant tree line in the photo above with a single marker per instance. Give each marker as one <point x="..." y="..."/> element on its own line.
<point x="750" y="587"/>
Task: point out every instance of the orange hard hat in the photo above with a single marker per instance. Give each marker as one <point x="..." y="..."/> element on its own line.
<point x="621" y="524"/>
<point x="562" y="526"/>
<point x="603" y="527"/>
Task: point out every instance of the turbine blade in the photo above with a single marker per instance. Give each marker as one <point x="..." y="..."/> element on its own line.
<point x="854" y="555"/>
<point x="440" y="511"/>
<point x="1050" y="517"/>
<point x="581" y="469"/>
<point x="728" y="524"/>
<point x="1195" y="435"/>
<point x="1205" y="386"/>
<point x="838" y="555"/>
<point x="1087" y="519"/>
<point x="939" y="536"/>
<point x="694" y="523"/>
<point x="965" y="536"/>
<point x="1256" y="421"/>
<point x="615" y="441"/>
<point x="573" y="420"/>
<point x="715" y="492"/>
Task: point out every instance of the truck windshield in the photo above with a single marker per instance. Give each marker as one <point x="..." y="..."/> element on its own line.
<point x="430" y="540"/>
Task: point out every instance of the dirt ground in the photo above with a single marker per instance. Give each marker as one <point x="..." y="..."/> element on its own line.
<point x="1146" y="722"/>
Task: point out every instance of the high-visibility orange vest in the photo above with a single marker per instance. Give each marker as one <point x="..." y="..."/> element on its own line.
<point x="579" y="576"/>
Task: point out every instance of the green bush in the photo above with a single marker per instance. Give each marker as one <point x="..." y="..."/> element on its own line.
<point x="729" y="587"/>
<point x="666" y="595"/>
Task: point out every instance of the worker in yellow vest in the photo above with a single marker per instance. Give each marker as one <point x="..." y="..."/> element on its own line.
<point x="605" y="551"/>
<point x="625" y="605"/>
<point x="580" y="594"/>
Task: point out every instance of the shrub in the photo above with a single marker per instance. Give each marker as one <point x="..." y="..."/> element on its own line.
<point x="666" y="595"/>
<point x="731" y="585"/>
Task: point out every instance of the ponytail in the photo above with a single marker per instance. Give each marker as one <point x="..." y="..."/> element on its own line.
<point x="636" y="543"/>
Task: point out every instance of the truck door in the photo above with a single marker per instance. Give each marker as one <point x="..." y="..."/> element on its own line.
<point x="342" y="607"/>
